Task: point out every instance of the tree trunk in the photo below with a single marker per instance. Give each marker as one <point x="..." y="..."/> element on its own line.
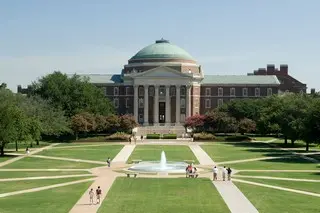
<point x="37" y="142"/>
<point x="292" y="142"/>
<point x="31" y="144"/>
<point x="285" y="140"/>
<point x="16" y="146"/>
<point x="1" y="150"/>
<point x="307" y="146"/>
<point x="77" y="137"/>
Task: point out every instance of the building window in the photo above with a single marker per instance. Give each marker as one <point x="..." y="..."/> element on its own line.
<point x="140" y="118"/>
<point x="127" y="90"/>
<point x="115" y="91"/>
<point x="245" y="92"/>
<point x="220" y="92"/>
<point x="220" y="102"/>
<point x="127" y="103"/>
<point x="257" y="92"/>
<point x="151" y="91"/>
<point x="141" y="103"/>
<point x="183" y="103"/>
<point x="116" y="103"/>
<point x="269" y="91"/>
<point x="183" y="91"/>
<point x="232" y="92"/>
<point x="141" y="91"/>
<point x="208" y="103"/>
<point x="172" y="91"/>
<point x="208" y="91"/>
<point x="162" y="91"/>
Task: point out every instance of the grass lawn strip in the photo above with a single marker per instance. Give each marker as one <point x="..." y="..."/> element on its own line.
<point x="153" y="153"/>
<point x="24" y="145"/>
<point x="6" y="157"/>
<point x="12" y="186"/>
<point x="16" y="174"/>
<point x="293" y="163"/>
<point x="299" y="175"/>
<point x="163" y="195"/>
<point x="241" y="150"/>
<point x="303" y="186"/>
<point x="56" y="200"/>
<point x="98" y="153"/>
<point x="268" y="200"/>
<point x="36" y="163"/>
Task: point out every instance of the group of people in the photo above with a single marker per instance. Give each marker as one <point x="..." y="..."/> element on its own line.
<point x="134" y="139"/>
<point x="225" y="172"/>
<point x="191" y="171"/>
<point x="98" y="195"/>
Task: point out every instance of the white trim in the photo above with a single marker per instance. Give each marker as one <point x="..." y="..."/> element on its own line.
<point x="208" y="103"/>
<point x="220" y="102"/>
<point x="161" y="64"/>
<point x="220" y="92"/>
<point x="232" y="91"/>
<point x="208" y="91"/>
<point x="257" y="92"/>
<point x="127" y="102"/>
<point x="245" y="94"/>
<point x="115" y="91"/>
<point x="127" y="90"/>
<point x="116" y="103"/>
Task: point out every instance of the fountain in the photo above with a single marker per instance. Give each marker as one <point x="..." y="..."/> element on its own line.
<point x="162" y="166"/>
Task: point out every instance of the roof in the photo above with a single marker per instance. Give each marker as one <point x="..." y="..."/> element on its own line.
<point x="102" y="78"/>
<point x="240" y="79"/>
<point x="162" y="49"/>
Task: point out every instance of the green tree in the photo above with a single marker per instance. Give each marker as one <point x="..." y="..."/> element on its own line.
<point x="246" y="125"/>
<point x="72" y="94"/>
<point x="79" y="124"/>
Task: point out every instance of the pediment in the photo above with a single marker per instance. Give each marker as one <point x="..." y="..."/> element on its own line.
<point x="161" y="72"/>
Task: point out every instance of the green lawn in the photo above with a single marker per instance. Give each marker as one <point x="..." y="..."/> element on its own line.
<point x="298" y="144"/>
<point x="220" y="152"/>
<point x="298" y="175"/>
<point x="293" y="163"/>
<point x="6" y="157"/>
<point x="40" y="163"/>
<point x="153" y="153"/>
<point x="268" y="200"/>
<point x="82" y="144"/>
<point x="17" y="174"/>
<point x="24" y="145"/>
<point x="304" y="186"/>
<point x="11" y="186"/>
<point x="163" y="196"/>
<point x="97" y="153"/>
<point x="57" y="200"/>
<point x="263" y="138"/>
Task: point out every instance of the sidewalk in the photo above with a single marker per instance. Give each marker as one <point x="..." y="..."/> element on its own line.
<point x="124" y="154"/>
<point x="201" y="155"/>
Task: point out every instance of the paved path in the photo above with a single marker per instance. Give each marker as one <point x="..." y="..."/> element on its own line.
<point x="276" y="178"/>
<point x="25" y="155"/>
<point x="44" y="177"/>
<point x="124" y="154"/>
<point x="43" y="170"/>
<point x="105" y="181"/>
<point x="277" y="187"/>
<point x="254" y="159"/>
<point x="234" y="198"/>
<point x="44" y="188"/>
<point x="201" y="155"/>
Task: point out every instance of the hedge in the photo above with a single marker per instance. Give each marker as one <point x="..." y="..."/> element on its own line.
<point x="238" y="138"/>
<point x="169" y="136"/>
<point x="153" y="136"/>
<point x="203" y="136"/>
<point x="118" y="136"/>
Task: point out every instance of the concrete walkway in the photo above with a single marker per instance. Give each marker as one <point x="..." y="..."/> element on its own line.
<point x="277" y="187"/>
<point x="124" y="154"/>
<point x="44" y="177"/>
<point x="234" y="198"/>
<point x="201" y="155"/>
<point x="44" y="188"/>
<point x="25" y="155"/>
<point x="276" y="178"/>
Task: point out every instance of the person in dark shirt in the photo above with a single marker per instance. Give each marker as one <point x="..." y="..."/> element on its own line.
<point x="98" y="194"/>
<point x="229" y="173"/>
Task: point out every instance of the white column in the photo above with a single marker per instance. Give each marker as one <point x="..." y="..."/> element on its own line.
<point x="146" y="105"/>
<point x="178" y="105"/>
<point x="168" y="106"/>
<point x="135" y="102"/>
<point x="156" y="105"/>
<point x="188" y="101"/>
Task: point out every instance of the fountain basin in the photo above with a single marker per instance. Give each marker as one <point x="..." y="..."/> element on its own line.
<point x="156" y="166"/>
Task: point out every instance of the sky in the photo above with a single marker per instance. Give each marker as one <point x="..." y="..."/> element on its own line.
<point x="232" y="37"/>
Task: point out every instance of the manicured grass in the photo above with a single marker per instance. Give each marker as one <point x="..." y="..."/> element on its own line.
<point x="82" y="144"/>
<point x="57" y="200"/>
<point x="24" y="145"/>
<point x="304" y="186"/>
<point x="220" y="152"/>
<point x="40" y="163"/>
<point x="298" y="175"/>
<point x="292" y="163"/>
<point x="268" y="200"/>
<point x="6" y="157"/>
<point x="17" y="174"/>
<point x="263" y="138"/>
<point x="316" y="156"/>
<point x="163" y="195"/>
<point x="97" y="153"/>
<point x="297" y="145"/>
<point x="11" y="186"/>
<point x="153" y="153"/>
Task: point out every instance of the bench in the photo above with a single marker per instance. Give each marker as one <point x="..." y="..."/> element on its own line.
<point x="136" y="161"/>
<point x="132" y="174"/>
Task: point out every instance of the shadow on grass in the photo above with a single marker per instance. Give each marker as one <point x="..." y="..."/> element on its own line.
<point x="7" y="156"/>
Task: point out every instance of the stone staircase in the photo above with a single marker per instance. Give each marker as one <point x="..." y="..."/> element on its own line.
<point x="144" y="130"/>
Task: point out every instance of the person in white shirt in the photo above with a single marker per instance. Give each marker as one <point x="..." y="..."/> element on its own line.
<point x="224" y="172"/>
<point x="215" y="173"/>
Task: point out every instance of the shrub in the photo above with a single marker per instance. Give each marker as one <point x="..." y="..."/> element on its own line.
<point x="203" y="136"/>
<point x="118" y="136"/>
<point x="238" y="138"/>
<point x="169" y="136"/>
<point x="91" y="139"/>
<point x="153" y="136"/>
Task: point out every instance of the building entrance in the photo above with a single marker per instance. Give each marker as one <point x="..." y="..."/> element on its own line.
<point x="162" y="112"/>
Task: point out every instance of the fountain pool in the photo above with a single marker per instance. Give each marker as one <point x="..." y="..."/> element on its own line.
<point x="160" y="166"/>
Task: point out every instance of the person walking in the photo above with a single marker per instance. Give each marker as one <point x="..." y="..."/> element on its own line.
<point x="98" y="194"/>
<point x="109" y="161"/>
<point x="135" y="139"/>
<point x="224" y="172"/>
<point x="91" y="194"/>
<point x="215" y="173"/>
<point x="229" y="173"/>
<point x="141" y="138"/>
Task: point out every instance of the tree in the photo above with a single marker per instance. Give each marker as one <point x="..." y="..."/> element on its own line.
<point x="72" y="94"/>
<point x="101" y="123"/>
<point x="127" y="123"/>
<point x="78" y="124"/>
<point x="195" y="122"/>
<point x="112" y="123"/>
<point x="220" y="121"/>
<point x="246" y="125"/>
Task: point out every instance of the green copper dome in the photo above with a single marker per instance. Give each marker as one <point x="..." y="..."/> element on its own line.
<point x="162" y="49"/>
